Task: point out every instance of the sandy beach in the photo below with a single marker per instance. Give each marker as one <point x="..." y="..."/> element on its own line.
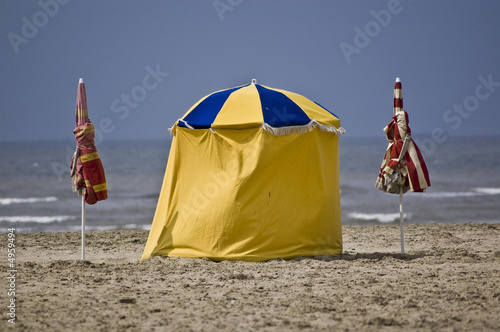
<point x="449" y="280"/>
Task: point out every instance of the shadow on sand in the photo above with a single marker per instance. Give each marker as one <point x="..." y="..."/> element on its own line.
<point x="376" y="256"/>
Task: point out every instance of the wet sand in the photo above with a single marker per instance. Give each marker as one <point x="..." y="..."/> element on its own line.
<point x="449" y="280"/>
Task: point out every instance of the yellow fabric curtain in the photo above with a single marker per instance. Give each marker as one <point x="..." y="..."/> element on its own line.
<point x="248" y="195"/>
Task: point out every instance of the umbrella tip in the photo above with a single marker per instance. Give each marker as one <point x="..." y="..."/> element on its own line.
<point x="254" y="81"/>
<point x="81" y="80"/>
<point x="398" y="79"/>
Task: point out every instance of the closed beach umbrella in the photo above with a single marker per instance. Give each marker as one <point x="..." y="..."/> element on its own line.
<point x="403" y="167"/>
<point x="87" y="174"/>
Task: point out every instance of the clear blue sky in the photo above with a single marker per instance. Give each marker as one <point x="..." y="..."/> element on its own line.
<point x="145" y="63"/>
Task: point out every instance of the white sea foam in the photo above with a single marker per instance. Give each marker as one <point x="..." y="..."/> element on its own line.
<point x="116" y="227"/>
<point x="488" y="191"/>
<point x="472" y="193"/>
<point x="36" y="219"/>
<point x="109" y="227"/>
<point x="380" y="217"/>
<point x="135" y="226"/>
<point x="446" y="194"/>
<point x="13" y="200"/>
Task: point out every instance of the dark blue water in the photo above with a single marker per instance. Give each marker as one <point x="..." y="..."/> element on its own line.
<point x="464" y="174"/>
<point x="35" y="187"/>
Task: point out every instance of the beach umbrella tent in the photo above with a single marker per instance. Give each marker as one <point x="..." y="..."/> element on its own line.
<point x="403" y="167"/>
<point x="87" y="174"/>
<point x="252" y="175"/>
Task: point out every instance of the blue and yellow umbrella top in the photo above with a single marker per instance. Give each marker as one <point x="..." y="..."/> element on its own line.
<point x="253" y="105"/>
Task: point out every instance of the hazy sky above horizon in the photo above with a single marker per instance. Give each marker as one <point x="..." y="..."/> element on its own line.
<point x="145" y="63"/>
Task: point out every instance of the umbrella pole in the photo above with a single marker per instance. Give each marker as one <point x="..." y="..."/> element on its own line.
<point x="401" y="220"/>
<point x="83" y="227"/>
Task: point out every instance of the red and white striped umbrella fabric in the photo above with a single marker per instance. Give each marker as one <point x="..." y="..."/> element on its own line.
<point x="403" y="164"/>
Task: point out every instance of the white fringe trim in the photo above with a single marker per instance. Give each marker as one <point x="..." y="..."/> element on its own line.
<point x="171" y="130"/>
<point x="301" y="129"/>
<point x="282" y="130"/>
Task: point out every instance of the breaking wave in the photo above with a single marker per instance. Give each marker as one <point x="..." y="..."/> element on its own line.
<point x="472" y="193"/>
<point x="36" y="219"/>
<point x="12" y="200"/>
<point x="379" y="217"/>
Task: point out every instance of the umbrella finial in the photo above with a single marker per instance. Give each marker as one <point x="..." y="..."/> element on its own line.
<point x="80" y="81"/>
<point x="254" y="81"/>
<point x="398" y="96"/>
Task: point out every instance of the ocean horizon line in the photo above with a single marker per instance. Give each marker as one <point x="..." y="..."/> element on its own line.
<point x="417" y="136"/>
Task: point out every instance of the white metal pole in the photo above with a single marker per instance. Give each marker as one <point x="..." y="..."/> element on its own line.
<point x="83" y="228"/>
<point x="401" y="220"/>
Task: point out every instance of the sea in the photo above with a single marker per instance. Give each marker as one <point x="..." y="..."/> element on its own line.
<point x="36" y="194"/>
